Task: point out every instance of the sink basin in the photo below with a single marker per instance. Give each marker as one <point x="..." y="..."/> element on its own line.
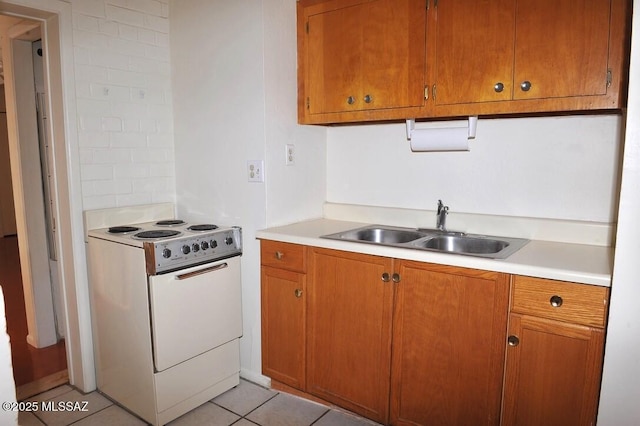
<point x="433" y="240"/>
<point x="465" y="244"/>
<point x="383" y="235"/>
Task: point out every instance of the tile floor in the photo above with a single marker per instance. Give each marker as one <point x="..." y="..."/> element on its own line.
<point x="245" y="405"/>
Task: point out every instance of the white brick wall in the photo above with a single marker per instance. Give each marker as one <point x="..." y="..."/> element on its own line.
<point x="123" y="89"/>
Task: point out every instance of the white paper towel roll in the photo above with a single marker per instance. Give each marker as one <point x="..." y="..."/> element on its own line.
<point x="440" y="139"/>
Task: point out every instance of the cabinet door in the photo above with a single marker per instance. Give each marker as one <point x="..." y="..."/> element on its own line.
<point x="473" y="51"/>
<point x="363" y="55"/>
<point x="283" y="325"/>
<point x="562" y="48"/>
<point x="553" y="373"/>
<point x="349" y="331"/>
<point x="449" y="329"/>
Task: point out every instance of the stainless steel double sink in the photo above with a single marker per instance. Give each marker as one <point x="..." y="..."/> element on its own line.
<point x="433" y="240"/>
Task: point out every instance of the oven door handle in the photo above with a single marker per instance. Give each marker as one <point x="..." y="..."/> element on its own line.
<point x="202" y="271"/>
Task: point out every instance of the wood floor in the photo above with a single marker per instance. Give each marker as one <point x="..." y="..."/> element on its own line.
<point x="33" y="369"/>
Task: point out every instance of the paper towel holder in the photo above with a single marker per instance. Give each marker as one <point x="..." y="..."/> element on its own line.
<point x="472" y="126"/>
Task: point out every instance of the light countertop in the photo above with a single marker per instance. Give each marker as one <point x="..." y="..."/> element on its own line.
<point x="581" y="263"/>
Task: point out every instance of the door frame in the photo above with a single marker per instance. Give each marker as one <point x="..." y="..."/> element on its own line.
<point x="55" y="17"/>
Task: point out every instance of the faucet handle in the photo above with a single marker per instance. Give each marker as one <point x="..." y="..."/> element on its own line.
<point x="440" y="206"/>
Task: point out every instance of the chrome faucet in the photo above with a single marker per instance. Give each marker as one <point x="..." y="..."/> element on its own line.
<point x="441" y="216"/>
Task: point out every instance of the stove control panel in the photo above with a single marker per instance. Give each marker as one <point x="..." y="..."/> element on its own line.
<point x="192" y="249"/>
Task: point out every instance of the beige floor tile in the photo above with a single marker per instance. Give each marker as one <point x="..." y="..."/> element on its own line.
<point x="111" y="416"/>
<point x="94" y="403"/>
<point x="28" y="419"/>
<point x="244" y="398"/>
<point x="287" y="410"/>
<point x="207" y="414"/>
<point x="244" y="422"/>
<point x="335" y="417"/>
<point x="44" y="396"/>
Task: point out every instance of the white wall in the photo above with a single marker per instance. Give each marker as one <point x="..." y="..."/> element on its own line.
<point x="123" y="88"/>
<point x="621" y="379"/>
<point x="234" y="91"/>
<point x="552" y="167"/>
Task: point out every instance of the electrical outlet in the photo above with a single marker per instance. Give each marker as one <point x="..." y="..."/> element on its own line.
<point x="290" y="155"/>
<point x="255" y="170"/>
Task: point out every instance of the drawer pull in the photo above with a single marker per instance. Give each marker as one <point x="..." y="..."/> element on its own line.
<point x="385" y="277"/>
<point x="279" y="255"/>
<point x="513" y="340"/>
<point x="395" y="278"/>
<point x="297" y="292"/>
<point x="556" y="301"/>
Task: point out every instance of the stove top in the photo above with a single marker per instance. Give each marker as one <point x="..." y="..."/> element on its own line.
<point x="173" y="244"/>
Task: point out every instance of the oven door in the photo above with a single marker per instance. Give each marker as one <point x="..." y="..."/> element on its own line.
<point x="194" y="310"/>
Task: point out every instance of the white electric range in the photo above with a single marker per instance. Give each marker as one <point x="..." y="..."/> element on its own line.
<point x="166" y="314"/>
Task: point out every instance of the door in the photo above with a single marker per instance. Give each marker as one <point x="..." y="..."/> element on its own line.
<point x="473" y="51"/>
<point x="365" y="55"/>
<point x="449" y="330"/>
<point x="283" y="325"/>
<point x="553" y="372"/>
<point x="350" y="301"/>
<point x="195" y="310"/>
<point x="562" y="48"/>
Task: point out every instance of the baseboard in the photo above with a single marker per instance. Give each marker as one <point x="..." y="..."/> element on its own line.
<point x="42" y="385"/>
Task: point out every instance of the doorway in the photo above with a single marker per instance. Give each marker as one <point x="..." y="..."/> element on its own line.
<point x="29" y="262"/>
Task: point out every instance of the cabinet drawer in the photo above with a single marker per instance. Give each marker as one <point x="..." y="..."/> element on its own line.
<point x="283" y="255"/>
<point x="562" y="301"/>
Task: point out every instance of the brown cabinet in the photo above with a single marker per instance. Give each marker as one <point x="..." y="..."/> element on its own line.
<point x="539" y="56"/>
<point x="350" y="302"/>
<point x="412" y="343"/>
<point x="363" y="60"/>
<point x="554" y="353"/>
<point x="360" y="57"/>
<point x="449" y="328"/>
<point x="283" y="299"/>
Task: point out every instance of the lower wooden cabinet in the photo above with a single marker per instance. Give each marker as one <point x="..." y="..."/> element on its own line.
<point x="283" y="313"/>
<point x="412" y="343"/>
<point x="449" y="329"/>
<point x="554" y="353"/>
<point x="283" y="326"/>
<point x="349" y="316"/>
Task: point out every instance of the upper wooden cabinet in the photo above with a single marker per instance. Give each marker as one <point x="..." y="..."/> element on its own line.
<point x="515" y="56"/>
<point x="360" y="56"/>
<point x="478" y="57"/>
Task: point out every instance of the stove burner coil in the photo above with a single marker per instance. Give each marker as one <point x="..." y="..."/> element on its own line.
<point x="169" y="222"/>
<point x="156" y="233"/>
<point x="203" y="227"/>
<point x="122" y="229"/>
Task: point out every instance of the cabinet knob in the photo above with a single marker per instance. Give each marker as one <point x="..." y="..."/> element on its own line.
<point x="525" y="86"/>
<point x="279" y="255"/>
<point x="556" y="301"/>
<point x="351" y="100"/>
<point x="385" y="277"/>
<point x="395" y="277"/>
<point x="498" y="87"/>
<point x="513" y="340"/>
<point x="368" y="99"/>
<point x="297" y="292"/>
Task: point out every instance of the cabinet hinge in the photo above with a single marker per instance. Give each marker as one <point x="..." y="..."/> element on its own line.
<point x="427" y="4"/>
<point x="306" y="27"/>
<point x="609" y="77"/>
<point x="308" y="103"/>
<point x="435" y="3"/>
